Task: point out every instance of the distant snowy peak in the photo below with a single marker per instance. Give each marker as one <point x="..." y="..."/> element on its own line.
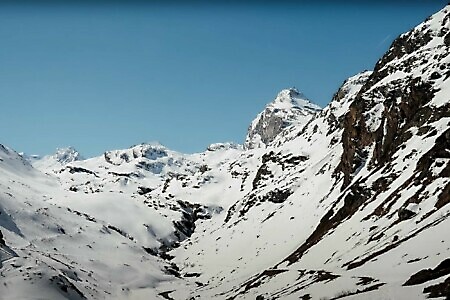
<point x="61" y="157"/>
<point x="290" y="107"/>
<point x="67" y="155"/>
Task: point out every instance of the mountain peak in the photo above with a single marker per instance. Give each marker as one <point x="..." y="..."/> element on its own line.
<point x="292" y="99"/>
<point x="290" y="107"/>
<point x="61" y="157"/>
<point x="67" y="155"/>
<point x="288" y="96"/>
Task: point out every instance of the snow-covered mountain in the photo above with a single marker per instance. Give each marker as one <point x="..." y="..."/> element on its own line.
<point x="290" y="108"/>
<point x="349" y="201"/>
<point x="61" y="157"/>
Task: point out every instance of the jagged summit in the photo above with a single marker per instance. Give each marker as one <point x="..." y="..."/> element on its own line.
<point x="293" y="99"/>
<point x="290" y="107"/>
<point x="67" y="155"/>
<point x="61" y="157"/>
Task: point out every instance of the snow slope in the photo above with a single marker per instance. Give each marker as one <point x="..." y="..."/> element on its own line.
<point x="58" y="252"/>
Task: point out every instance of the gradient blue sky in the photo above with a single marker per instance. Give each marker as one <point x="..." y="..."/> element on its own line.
<point x="108" y="75"/>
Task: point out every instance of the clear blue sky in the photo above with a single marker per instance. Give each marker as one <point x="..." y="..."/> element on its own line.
<point x="106" y="76"/>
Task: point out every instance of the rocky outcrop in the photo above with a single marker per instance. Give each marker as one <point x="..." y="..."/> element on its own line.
<point x="223" y="146"/>
<point x="399" y="96"/>
<point x="335" y="112"/>
<point x="2" y="241"/>
<point x="147" y="151"/>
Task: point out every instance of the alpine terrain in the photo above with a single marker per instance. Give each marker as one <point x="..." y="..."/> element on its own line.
<point x="346" y="202"/>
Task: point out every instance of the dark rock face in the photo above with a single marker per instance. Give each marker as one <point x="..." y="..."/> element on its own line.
<point x="429" y="274"/>
<point x="73" y="170"/>
<point x="405" y="44"/>
<point x="155" y="167"/>
<point x="447" y="39"/>
<point x="438" y="290"/>
<point x="343" y="94"/>
<point x="142" y="190"/>
<point x="2" y="241"/>
<point x="268" y="128"/>
<point x="405" y="214"/>
<point x="393" y="129"/>
<point x="405" y="102"/>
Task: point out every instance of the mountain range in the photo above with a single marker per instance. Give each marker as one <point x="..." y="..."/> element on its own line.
<point x="345" y="202"/>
